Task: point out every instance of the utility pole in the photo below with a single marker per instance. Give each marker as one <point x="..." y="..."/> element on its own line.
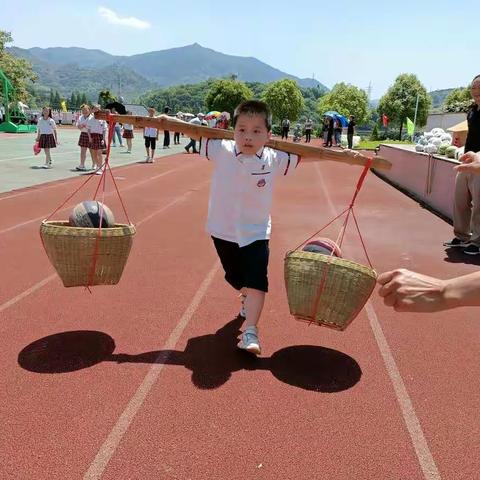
<point x="415" y="117"/>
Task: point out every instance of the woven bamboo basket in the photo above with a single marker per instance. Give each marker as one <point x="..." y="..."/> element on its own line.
<point x="71" y="251"/>
<point x="345" y="288"/>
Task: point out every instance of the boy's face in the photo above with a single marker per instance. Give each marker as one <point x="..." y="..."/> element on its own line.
<point x="251" y="133"/>
<point x="151" y="112"/>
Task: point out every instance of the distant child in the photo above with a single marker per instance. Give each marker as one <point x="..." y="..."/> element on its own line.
<point x="84" y="139"/>
<point x="176" y="135"/>
<point x="128" y="134"/>
<point x="96" y="129"/>
<point x="47" y="134"/>
<point x="150" y="135"/>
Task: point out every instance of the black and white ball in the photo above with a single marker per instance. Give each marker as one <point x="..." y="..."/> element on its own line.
<point x="88" y="213"/>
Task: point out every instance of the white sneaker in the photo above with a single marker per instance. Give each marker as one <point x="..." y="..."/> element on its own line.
<point x="249" y="341"/>
<point x="47" y="165"/>
<point x="147" y="158"/>
<point x="99" y="171"/>
<point x="243" y="312"/>
<point x="150" y="160"/>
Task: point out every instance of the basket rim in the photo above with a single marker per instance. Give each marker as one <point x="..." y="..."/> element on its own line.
<point x="58" y="224"/>
<point x="313" y="256"/>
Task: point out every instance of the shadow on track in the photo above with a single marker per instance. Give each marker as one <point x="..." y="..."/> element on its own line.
<point x="211" y="358"/>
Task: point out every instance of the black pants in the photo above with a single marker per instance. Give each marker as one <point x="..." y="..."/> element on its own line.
<point x="176" y="138"/>
<point x="308" y="135"/>
<point x="245" y="267"/>
<point x="285" y="132"/>
<point x="166" y="138"/>
<point x="150" y="142"/>
<point x="329" y="138"/>
<point x="350" y="140"/>
<point x="189" y="145"/>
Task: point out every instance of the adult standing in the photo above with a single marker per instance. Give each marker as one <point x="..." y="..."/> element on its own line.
<point x="308" y="130"/>
<point x="350" y="131"/>
<point x="166" y="133"/>
<point x="329" y="132"/>
<point x="285" y="128"/>
<point x="198" y="120"/>
<point x="338" y="132"/>
<point x="466" y="209"/>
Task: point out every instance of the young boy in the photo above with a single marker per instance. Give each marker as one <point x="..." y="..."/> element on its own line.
<point x="239" y="208"/>
<point x="150" y="135"/>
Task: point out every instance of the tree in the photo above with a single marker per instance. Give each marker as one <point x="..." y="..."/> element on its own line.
<point x="56" y="101"/>
<point x="285" y="99"/>
<point x="347" y="100"/>
<point x="400" y="100"/>
<point x="226" y="95"/>
<point x="105" y="97"/>
<point x="83" y="100"/>
<point x="17" y="70"/>
<point x="458" y="100"/>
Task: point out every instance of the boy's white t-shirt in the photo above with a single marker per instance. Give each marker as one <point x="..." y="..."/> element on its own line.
<point x="46" y="127"/>
<point x="242" y="189"/>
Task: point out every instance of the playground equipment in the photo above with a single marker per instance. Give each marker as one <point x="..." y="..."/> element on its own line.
<point x="15" y="120"/>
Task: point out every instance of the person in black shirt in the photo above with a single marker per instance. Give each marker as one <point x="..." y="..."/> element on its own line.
<point x="466" y="210"/>
<point x="350" y="131"/>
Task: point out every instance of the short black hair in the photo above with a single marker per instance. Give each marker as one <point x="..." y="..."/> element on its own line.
<point x="475" y="79"/>
<point x="253" y="107"/>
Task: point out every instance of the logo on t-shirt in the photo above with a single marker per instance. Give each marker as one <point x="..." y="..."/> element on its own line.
<point x="261" y="183"/>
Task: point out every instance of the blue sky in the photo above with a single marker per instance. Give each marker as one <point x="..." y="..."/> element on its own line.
<point x="356" y="42"/>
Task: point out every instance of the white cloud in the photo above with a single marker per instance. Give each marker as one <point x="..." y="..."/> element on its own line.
<point x="111" y="17"/>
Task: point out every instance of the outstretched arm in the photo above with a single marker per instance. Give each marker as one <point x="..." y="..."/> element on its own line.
<point x="408" y="291"/>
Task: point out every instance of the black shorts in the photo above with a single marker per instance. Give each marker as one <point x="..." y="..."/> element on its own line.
<point x="244" y="266"/>
<point x="150" y="142"/>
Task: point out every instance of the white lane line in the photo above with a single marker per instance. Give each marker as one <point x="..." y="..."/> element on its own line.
<point x="113" y="192"/>
<point x="424" y="456"/>
<point x="115" y="436"/>
<point x="46" y="280"/>
<point x="26" y="293"/>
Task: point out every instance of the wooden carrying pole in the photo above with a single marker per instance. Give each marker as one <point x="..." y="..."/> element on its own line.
<point x="163" y="122"/>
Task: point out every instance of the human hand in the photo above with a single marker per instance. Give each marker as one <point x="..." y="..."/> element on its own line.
<point x="408" y="291"/>
<point x="470" y="163"/>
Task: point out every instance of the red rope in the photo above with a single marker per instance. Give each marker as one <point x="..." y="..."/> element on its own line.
<point x="340" y="238"/>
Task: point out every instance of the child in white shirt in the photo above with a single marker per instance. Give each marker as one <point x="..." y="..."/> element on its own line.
<point x="47" y="134"/>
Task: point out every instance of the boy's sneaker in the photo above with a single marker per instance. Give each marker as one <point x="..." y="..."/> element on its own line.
<point x="80" y="168"/>
<point x="456" y="242"/>
<point x="249" y="341"/>
<point x="243" y="312"/>
<point x="147" y="158"/>
<point x="472" y="250"/>
<point x="47" y="165"/>
<point x="150" y="160"/>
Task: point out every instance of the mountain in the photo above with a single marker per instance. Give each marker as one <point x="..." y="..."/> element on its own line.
<point x="72" y="68"/>
<point x="439" y="96"/>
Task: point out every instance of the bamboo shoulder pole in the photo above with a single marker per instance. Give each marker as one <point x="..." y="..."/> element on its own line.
<point x="164" y="122"/>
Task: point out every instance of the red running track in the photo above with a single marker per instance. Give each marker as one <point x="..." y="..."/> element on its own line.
<point x="143" y="381"/>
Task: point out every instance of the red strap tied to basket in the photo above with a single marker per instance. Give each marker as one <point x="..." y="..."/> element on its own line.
<point x="349" y="210"/>
<point x="101" y="184"/>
